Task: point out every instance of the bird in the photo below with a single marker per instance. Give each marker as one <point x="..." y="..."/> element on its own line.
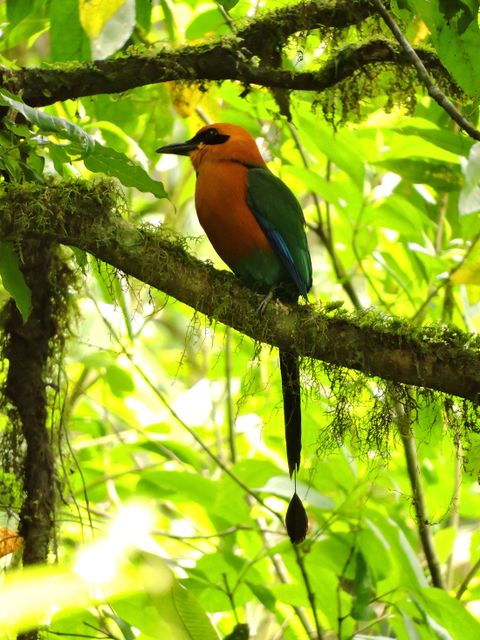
<point x="256" y="225"/>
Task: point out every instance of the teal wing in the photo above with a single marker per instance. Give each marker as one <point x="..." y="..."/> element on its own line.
<point x="280" y="216"/>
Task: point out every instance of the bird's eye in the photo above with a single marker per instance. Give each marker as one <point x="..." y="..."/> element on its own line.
<point x="212" y="136"/>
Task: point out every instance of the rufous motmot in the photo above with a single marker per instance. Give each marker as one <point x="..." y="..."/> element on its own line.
<point x="256" y="226"/>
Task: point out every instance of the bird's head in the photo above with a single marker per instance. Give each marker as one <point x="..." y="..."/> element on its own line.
<point x="220" y="142"/>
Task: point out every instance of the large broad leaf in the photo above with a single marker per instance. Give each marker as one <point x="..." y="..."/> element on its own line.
<point x="448" y="140"/>
<point x="68" y="40"/>
<point x="95" y="15"/>
<point x="444" y="176"/>
<point x="469" y="201"/>
<point x="456" y="36"/>
<point x="51" y="124"/>
<point x="113" y="163"/>
<point x="108" y="24"/>
<point x="448" y="613"/>
<point x="17" y="10"/>
<point x="191" y="614"/>
<point x="97" y="158"/>
<point x="337" y="148"/>
<point x="13" y="279"/>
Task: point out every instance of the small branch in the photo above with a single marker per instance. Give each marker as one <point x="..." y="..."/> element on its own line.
<point x="228" y="395"/>
<point x="227" y="59"/>
<point x="468" y="578"/>
<point x="432" y="88"/>
<point x="424" y="529"/>
<point x="454" y="520"/>
<point x="309" y="590"/>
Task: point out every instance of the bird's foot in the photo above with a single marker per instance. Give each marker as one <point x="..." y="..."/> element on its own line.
<point x="264" y="303"/>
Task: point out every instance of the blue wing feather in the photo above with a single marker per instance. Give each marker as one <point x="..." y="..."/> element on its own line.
<point x="283" y="252"/>
<point x="280" y="217"/>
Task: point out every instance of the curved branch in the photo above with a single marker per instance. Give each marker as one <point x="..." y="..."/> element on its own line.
<point x="87" y="216"/>
<point x="235" y="58"/>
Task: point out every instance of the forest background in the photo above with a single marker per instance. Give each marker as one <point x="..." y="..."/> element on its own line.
<point x="143" y="480"/>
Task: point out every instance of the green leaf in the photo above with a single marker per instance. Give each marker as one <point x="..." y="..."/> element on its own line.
<point x="450" y="613"/>
<point x="119" y="380"/>
<point x="113" y="163"/>
<point x="453" y="25"/>
<point x="264" y="595"/>
<point x="68" y="40"/>
<point x="143" y="13"/>
<point x="124" y="626"/>
<point x="97" y="158"/>
<point x="17" y="10"/>
<point x="169" y="19"/>
<point x="63" y="128"/>
<point x="364" y="590"/>
<point x="205" y="23"/>
<point x="469" y="201"/>
<point x="192" y="615"/>
<point x="325" y="585"/>
<point x="227" y="4"/>
<point x="444" y="176"/>
<point x="336" y="147"/>
<point x="94" y="16"/>
<point x="108" y="24"/>
<point x="453" y="142"/>
<point x="13" y="279"/>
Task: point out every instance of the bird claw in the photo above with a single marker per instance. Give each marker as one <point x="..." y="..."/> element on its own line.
<point x="264" y="303"/>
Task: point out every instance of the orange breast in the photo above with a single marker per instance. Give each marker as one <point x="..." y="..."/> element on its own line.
<point x="220" y="199"/>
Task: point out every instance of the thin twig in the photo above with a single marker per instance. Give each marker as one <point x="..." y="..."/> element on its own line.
<point x="308" y="589"/>
<point x="466" y="581"/>
<point x="418" y="496"/>
<point x="447" y="281"/>
<point x="432" y="88"/>
<point x="454" y="519"/>
<point x="228" y="398"/>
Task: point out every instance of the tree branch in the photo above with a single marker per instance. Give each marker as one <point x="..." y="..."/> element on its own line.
<point x="86" y="215"/>
<point x="236" y="58"/>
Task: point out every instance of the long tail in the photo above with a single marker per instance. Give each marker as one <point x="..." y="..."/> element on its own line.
<point x="290" y="370"/>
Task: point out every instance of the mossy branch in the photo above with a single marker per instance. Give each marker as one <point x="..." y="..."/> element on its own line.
<point x="88" y="216"/>
<point x="235" y="58"/>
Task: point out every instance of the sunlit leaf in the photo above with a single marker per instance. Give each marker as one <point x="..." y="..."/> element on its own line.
<point x="94" y="14"/>
<point x="17" y="10"/>
<point x="107" y="24"/>
<point x="470" y="194"/>
<point x="69" y="41"/>
<point x="113" y="163"/>
<point x="449" y="614"/>
<point x="444" y="176"/>
<point x="208" y="22"/>
<point x="456" y="36"/>
<point x="13" y="279"/>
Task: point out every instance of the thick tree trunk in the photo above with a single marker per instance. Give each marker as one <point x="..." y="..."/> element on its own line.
<point x="28" y="350"/>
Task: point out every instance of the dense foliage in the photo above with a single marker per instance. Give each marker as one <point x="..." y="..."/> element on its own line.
<point x="165" y="426"/>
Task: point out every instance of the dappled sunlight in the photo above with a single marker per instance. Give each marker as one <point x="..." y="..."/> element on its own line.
<point x="101" y="571"/>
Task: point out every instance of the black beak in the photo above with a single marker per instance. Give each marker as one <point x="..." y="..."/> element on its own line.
<point x="179" y="148"/>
